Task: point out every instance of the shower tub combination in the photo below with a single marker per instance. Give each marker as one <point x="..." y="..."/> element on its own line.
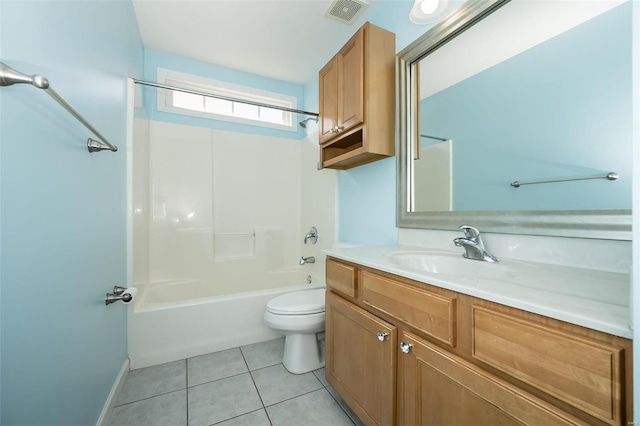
<point x="214" y="233"/>
<point x="170" y="321"/>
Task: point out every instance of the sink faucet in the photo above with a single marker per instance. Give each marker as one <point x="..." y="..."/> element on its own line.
<point x="309" y="259"/>
<point x="473" y="245"/>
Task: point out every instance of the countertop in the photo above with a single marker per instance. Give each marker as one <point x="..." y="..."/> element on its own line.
<point x="591" y="298"/>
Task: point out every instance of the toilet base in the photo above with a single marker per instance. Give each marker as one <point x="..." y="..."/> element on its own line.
<point x="302" y="353"/>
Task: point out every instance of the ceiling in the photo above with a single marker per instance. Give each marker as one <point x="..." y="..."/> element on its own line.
<point x="288" y="40"/>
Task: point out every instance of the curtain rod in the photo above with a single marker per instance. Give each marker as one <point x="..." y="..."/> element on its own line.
<point x="434" y="137"/>
<point x="225" y="98"/>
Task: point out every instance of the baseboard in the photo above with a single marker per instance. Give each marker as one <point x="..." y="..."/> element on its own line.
<point x="115" y="390"/>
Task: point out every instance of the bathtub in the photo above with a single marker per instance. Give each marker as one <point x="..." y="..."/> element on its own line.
<point x="175" y="320"/>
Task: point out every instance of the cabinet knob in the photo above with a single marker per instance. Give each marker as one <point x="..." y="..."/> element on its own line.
<point x="405" y="347"/>
<point x="332" y="130"/>
<point x="339" y="128"/>
<point x="382" y="335"/>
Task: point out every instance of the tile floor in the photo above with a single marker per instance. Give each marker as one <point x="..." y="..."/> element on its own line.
<point x="240" y="386"/>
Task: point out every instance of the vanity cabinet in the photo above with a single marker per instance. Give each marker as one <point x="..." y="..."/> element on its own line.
<point x="358" y="356"/>
<point x="438" y="388"/>
<point x="357" y="100"/>
<point x="460" y="360"/>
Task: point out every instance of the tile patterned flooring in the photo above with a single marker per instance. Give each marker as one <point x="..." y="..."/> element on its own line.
<point x="240" y="386"/>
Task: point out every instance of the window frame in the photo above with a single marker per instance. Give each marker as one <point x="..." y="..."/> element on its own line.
<point x="223" y="88"/>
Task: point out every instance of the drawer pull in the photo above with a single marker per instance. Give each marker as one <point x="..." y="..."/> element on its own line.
<point x="405" y="347"/>
<point x="382" y="335"/>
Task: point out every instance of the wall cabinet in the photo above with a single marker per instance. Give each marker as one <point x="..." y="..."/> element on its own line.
<point x="407" y="353"/>
<point x="357" y="100"/>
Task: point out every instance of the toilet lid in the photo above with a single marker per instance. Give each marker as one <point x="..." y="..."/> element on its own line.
<point x="298" y="303"/>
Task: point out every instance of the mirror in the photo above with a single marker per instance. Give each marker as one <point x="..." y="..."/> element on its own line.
<point x="514" y="126"/>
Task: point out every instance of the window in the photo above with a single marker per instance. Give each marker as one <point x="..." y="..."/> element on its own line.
<point x="222" y="109"/>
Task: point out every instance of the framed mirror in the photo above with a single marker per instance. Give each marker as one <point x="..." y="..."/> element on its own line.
<point x="515" y="117"/>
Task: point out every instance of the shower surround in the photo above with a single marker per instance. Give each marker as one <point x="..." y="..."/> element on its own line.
<point x="216" y="231"/>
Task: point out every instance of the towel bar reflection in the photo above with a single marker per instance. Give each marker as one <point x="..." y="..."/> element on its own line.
<point x="9" y="76"/>
<point x="608" y="176"/>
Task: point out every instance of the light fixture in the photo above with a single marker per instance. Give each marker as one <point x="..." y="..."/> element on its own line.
<point x="428" y="11"/>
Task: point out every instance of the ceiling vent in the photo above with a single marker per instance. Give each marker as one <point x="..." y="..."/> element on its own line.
<point x="345" y="11"/>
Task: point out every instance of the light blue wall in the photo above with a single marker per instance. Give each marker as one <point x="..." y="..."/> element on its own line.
<point x="367" y="204"/>
<point x="154" y="60"/>
<point x="63" y="210"/>
<point x="557" y="110"/>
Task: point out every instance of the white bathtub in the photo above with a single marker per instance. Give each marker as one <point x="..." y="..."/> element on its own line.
<point x="176" y="320"/>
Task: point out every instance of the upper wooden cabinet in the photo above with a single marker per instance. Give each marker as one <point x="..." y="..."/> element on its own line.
<point x="357" y="100"/>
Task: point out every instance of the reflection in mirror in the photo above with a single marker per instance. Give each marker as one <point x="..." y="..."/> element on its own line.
<point x="511" y="100"/>
<point x="558" y="109"/>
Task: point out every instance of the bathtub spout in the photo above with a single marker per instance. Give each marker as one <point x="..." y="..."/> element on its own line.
<point x="309" y="259"/>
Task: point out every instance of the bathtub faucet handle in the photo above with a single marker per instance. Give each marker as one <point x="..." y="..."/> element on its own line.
<point x="312" y="236"/>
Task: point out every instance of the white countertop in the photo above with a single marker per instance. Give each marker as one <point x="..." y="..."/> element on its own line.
<point x="590" y="298"/>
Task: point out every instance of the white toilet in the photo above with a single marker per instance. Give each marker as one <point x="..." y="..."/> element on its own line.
<point x="300" y="316"/>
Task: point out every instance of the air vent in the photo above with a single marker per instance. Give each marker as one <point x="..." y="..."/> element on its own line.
<point x="345" y="11"/>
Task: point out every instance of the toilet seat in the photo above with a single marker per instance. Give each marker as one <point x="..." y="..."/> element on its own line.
<point x="303" y="302"/>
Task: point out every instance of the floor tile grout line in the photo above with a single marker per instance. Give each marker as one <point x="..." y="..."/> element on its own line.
<point x="235" y="417"/>
<point x="266" y="366"/>
<point x="252" y="379"/>
<point x="294" y="397"/>
<point x="150" y="397"/>
<point x="256" y="386"/>
<point x="221" y="378"/>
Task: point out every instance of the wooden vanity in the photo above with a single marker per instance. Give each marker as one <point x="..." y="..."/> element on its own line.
<point x="402" y="352"/>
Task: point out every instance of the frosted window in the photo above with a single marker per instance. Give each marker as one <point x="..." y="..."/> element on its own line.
<point x="271" y="115"/>
<point x="245" y="111"/>
<point x="218" y="106"/>
<point x="221" y="109"/>
<point x="188" y="101"/>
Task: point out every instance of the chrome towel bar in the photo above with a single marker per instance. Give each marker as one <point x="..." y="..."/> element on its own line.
<point x="609" y="176"/>
<point x="9" y="76"/>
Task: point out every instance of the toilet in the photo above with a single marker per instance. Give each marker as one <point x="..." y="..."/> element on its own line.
<point x="300" y="316"/>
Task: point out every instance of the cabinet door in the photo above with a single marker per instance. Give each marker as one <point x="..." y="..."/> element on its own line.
<point x="351" y="83"/>
<point x="360" y="362"/>
<point x="438" y="388"/>
<point x="328" y="81"/>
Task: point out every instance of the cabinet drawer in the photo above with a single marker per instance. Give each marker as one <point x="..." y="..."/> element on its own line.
<point x="341" y="277"/>
<point x="431" y="313"/>
<point x="580" y="372"/>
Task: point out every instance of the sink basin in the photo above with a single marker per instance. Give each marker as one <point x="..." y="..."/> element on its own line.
<point x="454" y="264"/>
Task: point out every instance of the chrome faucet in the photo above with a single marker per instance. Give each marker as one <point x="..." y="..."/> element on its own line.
<point x="473" y="245"/>
<point x="309" y="259"/>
